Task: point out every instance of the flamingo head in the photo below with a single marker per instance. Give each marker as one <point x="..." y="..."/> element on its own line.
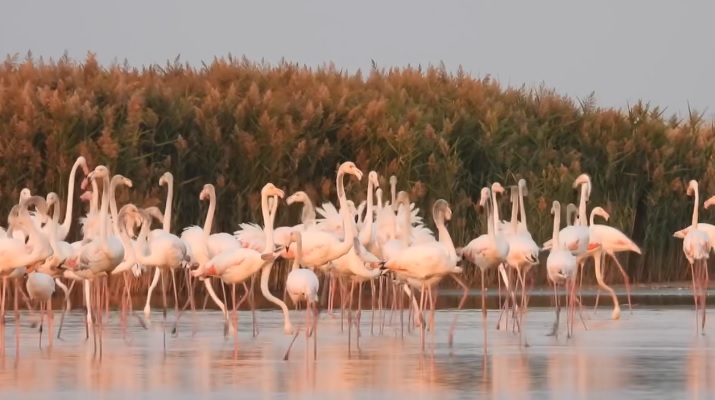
<point x="372" y="178"/>
<point x="86" y="196"/>
<point x="393" y="180"/>
<point x="582" y="179"/>
<point x="299" y="196"/>
<point x="441" y="207"/>
<point x="709" y="202"/>
<point x="206" y="192"/>
<point x="99" y="172"/>
<point x="271" y="190"/>
<point x="130" y="213"/>
<point x="83" y="163"/>
<point x="484" y="197"/>
<point x="348" y="167"/>
<point x="601" y="213"/>
<point x="40" y="205"/>
<point x="692" y="187"/>
<point x="555" y="207"/>
<point x="497" y="188"/>
<point x="166" y="179"/>
<point x="52" y="199"/>
<point x="124" y="181"/>
<point x="25" y="194"/>
<point x="154" y="212"/>
<point x="522" y="187"/>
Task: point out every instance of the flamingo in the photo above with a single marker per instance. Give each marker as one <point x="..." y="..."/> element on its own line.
<point x="426" y="263"/>
<point x="561" y="266"/>
<point x="64" y="228"/>
<point x="103" y="253"/>
<point x="40" y="287"/>
<point x="612" y="241"/>
<point x="576" y="238"/>
<point x="523" y="251"/>
<point x="167" y="251"/>
<point x="321" y="247"/>
<point x="202" y="245"/>
<point x="696" y="247"/>
<point x="489" y="250"/>
<point x="14" y="253"/>
<point x="235" y="265"/>
<point x="302" y="285"/>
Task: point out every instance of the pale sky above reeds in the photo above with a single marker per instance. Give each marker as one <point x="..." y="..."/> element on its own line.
<point x="658" y="51"/>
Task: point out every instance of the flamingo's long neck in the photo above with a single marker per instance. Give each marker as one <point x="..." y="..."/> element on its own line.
<point x="514" y="209"/>
<point x="113" y="203"/>
<point x="56" y="214"/>
<point x="169" y="199"/>
<point x="348" y="221"/>
<point x="556" y="245"/>
<point x="104" y="211"/>
<point x="94" y="202"/>
<point x="495" y="210"/>
<point x="126" y="240"/>
<point x="366" y="232"/>
<point x="307" y="216"/>
<point x="490" y="218"/>
<point x="522" y="208"/>
<point x="592" y="217"/>
<point x="298" y="252"/>
<point x="406" y="222"/>
<point x="393" y="194"/>
<point x="582" y="217"/>
<point x="696" y="207"/>
<point x="70" y="197"/>
<point x="266" y="270"/>
<point x="212" y="209"/>
<point x="444" y="236"/>
<point x="267" y="223"/>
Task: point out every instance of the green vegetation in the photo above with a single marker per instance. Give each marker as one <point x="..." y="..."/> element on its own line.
<point x="239" y="124"/>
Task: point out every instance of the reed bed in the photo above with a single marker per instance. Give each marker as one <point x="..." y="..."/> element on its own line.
<point x="239" y="124"/>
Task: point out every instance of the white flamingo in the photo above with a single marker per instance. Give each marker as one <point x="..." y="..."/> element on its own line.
<point x="40" y="288"/>
<point x="302" y="286"/>
<point x="238" y="264"/>
<point x="561" y="266"/>
<point x="696" y="247"/>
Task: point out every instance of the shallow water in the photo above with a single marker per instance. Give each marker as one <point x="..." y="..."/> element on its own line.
<point x="651" y="353"/>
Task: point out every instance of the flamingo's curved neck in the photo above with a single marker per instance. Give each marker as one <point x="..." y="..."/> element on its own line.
<point x="212" y="209"/>
<point x="696" y="207"/>
<point x="522" y="208"/>
<point x="556" y="245"/>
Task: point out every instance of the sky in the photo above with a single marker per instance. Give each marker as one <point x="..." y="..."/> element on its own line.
<point x="662" y="52"/>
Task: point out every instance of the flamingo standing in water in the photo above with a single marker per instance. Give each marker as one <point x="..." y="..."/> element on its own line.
<point x="489" y="250"/>
<point x="302" y="285"/>
<point x="235" y="265"/>
<point x="40" y="287"/>
<point x="561" y="269"/>
<point x="696" y="247"/>
<point x="612" y="241"/>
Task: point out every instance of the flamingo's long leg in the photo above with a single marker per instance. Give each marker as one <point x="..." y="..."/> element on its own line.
<point x="626" y="280"/>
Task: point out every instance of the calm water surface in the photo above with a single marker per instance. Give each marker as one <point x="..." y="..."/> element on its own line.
<point x="652" y="353"/>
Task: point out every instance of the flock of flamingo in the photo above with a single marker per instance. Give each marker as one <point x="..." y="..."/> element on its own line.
<point x="386" y="244"/>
